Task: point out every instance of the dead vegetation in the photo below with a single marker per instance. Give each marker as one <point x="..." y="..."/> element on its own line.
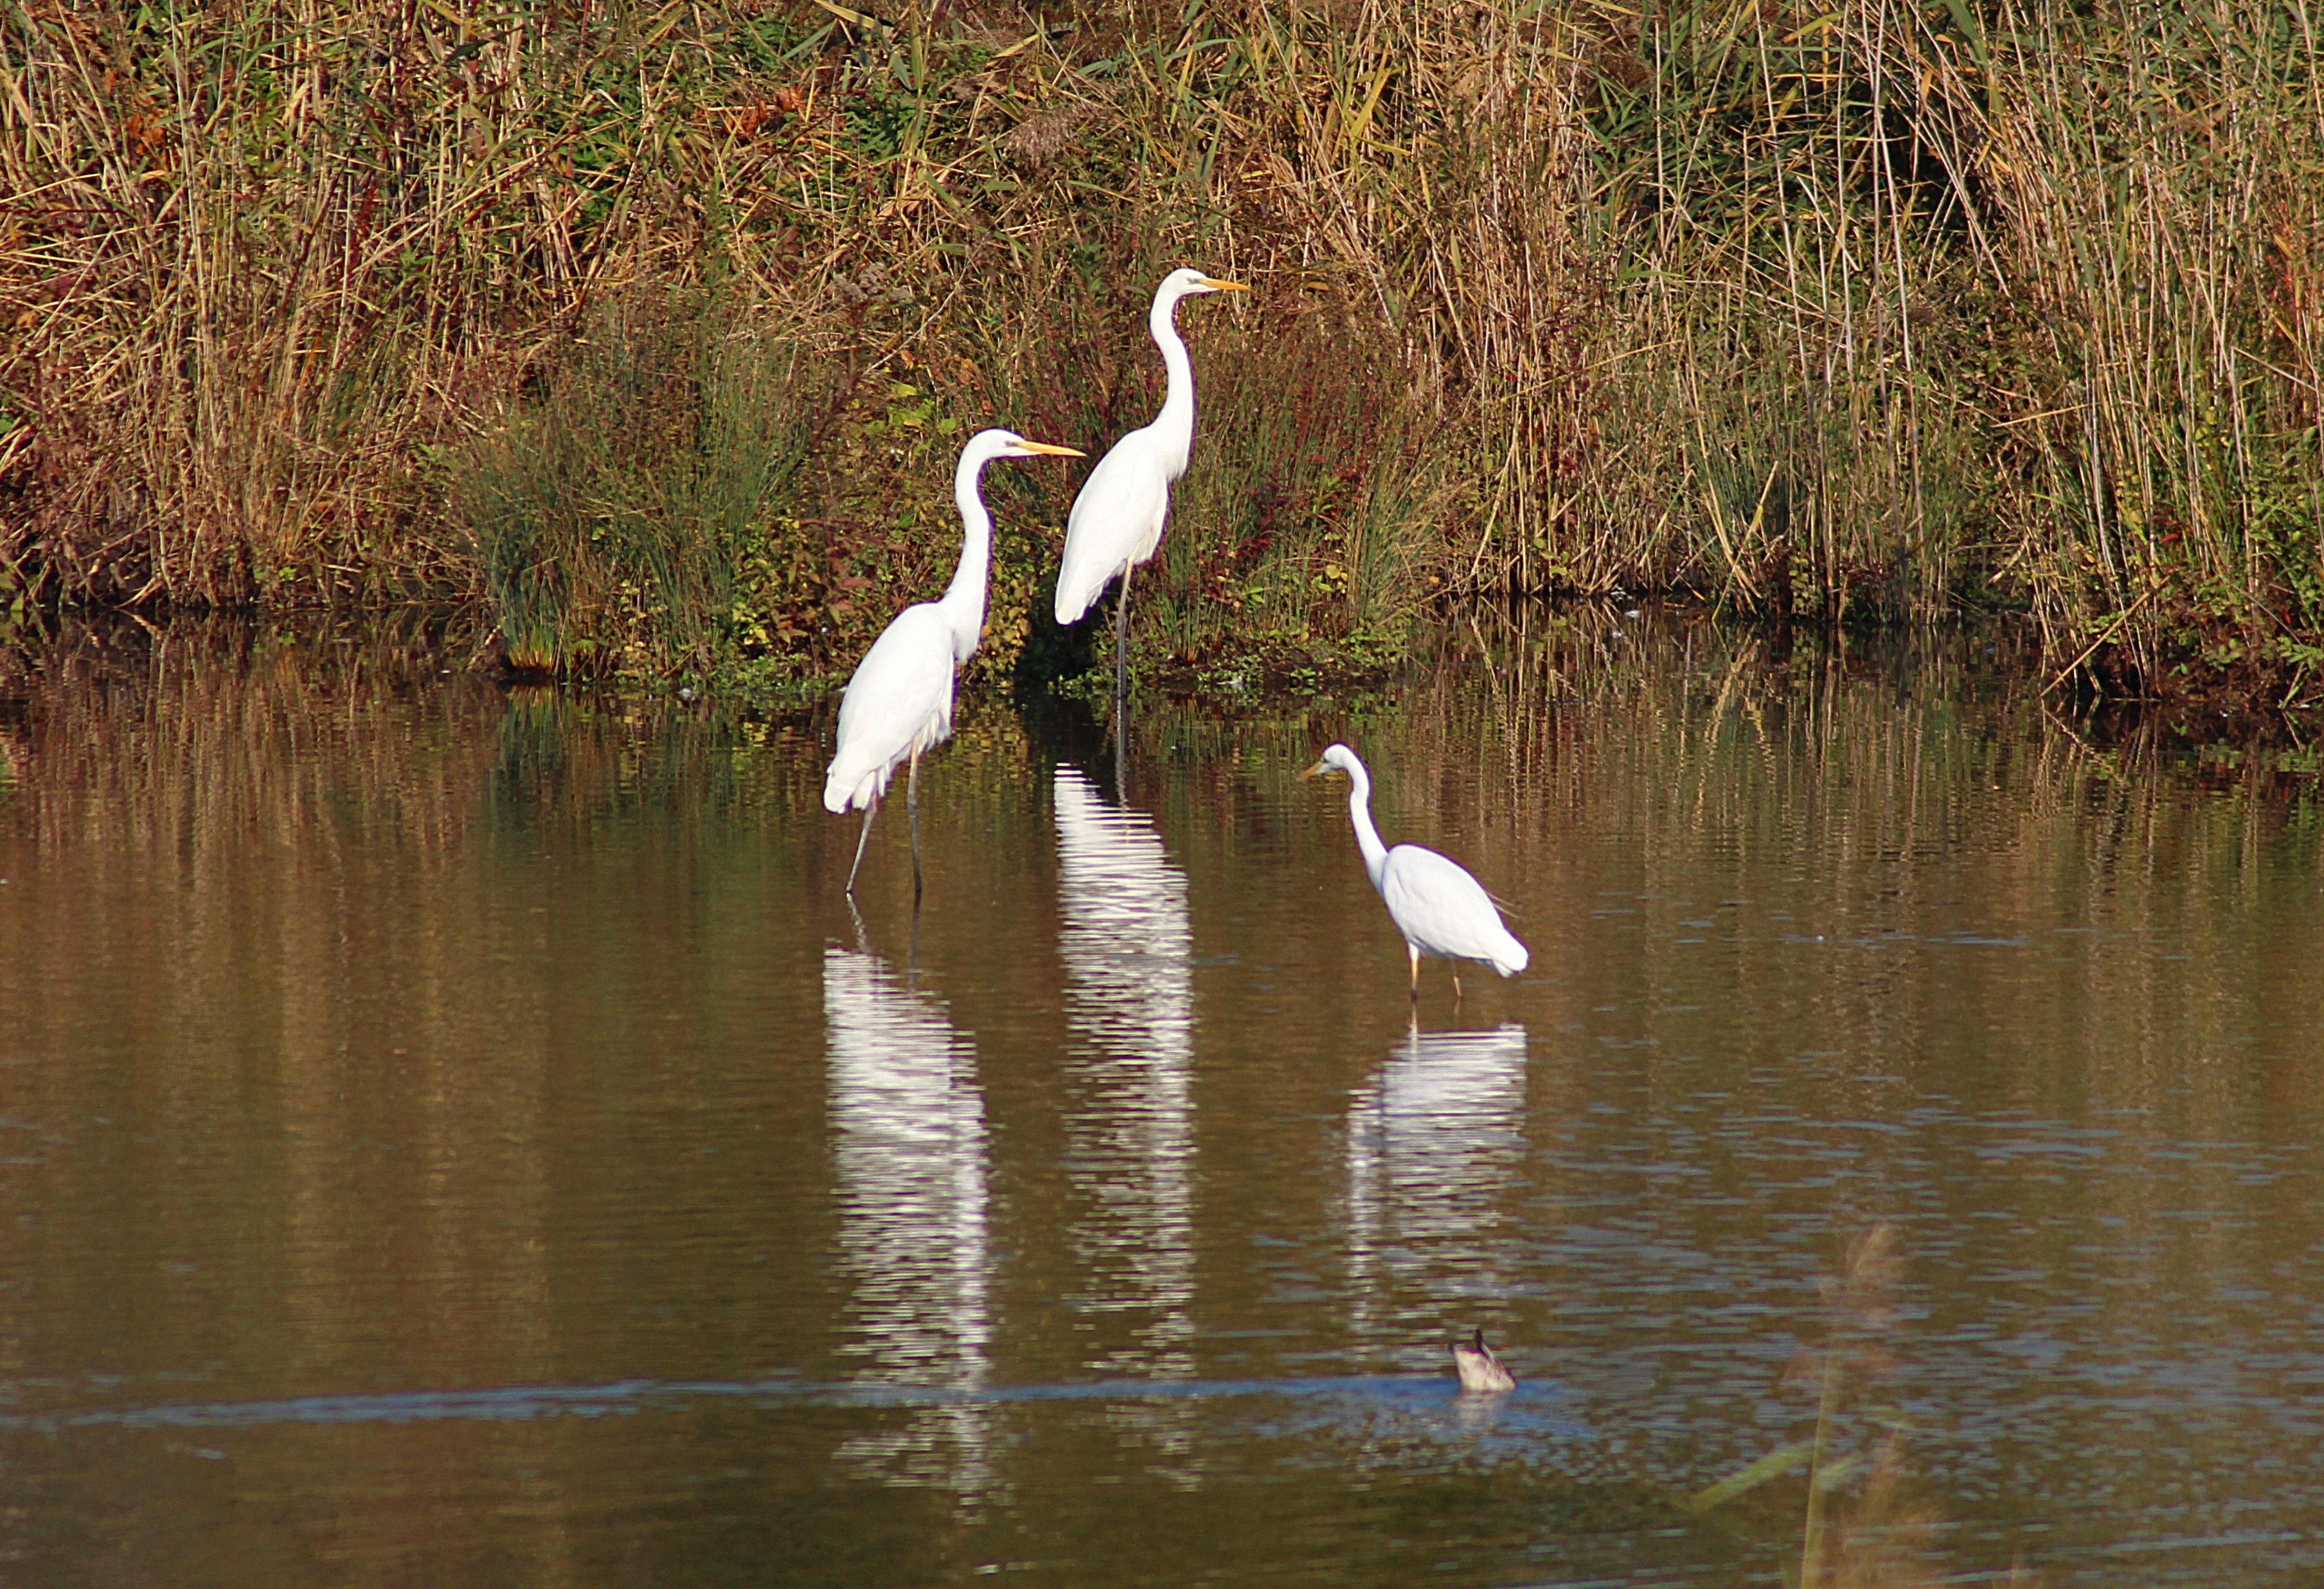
<point x="1873" y="313"/>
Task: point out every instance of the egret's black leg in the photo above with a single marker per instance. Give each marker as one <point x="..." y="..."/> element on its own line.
<point x="912" y="804"/>
<point x="1121" y="694"/>
<point x="869" y="809"/>
<point x="1122" y="649"/>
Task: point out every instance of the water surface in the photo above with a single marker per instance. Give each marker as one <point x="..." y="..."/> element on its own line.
<point x="461" y="1137"/>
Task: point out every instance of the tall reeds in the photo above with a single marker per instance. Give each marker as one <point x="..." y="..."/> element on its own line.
<point x="613" y="511"/>
<point x="2160" y="190"/>
<point x="262" y="260"/>
<point x="1879" y="311"/>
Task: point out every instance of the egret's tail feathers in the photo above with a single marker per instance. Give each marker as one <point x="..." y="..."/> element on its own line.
<point x="1510" y="958"/>
<point x="1077" y="594"/>
<point x="849" y="786"/>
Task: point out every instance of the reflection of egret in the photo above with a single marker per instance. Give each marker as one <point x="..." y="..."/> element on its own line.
<point x="1434" y="1147"/>
<point x="1127" y="938"/>
<point x="899" y="701"/>
<point x="1117" y="519"/>
<point x="1127" y="945"/>
<point x="1439" y="908"/>
<point x="908" y="1129"/>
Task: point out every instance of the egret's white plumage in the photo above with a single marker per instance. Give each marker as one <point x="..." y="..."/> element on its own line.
<point x="899" y="701"/>
<point x="1439" y="908"/>
<point x="1117" y="518"/>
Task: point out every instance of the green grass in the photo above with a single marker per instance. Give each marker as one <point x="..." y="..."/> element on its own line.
<point x="613" y="512"/>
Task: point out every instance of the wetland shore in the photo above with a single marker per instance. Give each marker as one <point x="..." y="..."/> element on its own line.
<point x="649" y="334"/>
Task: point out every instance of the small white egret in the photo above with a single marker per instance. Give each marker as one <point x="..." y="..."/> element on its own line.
<point x="1439" y="908"/>
<point x="899" y="701"/>
<point x="1481" y="1374"/>
<point x="1115" y="521"/>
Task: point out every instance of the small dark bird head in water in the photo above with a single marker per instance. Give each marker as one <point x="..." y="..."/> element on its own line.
<point x="1480" y="1371"/>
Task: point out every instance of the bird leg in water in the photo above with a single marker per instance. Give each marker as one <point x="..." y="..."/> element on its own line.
<point x="1456" y="986"/>
<point x="1121" y="650"/>
<point x="862" y="839"/>
<point x="912" y="804"/>
<point x="1121" y="694"/>
<point x="1414" y="949"/>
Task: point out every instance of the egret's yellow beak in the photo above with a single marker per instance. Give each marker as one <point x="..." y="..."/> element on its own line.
<point x="1317" y="770"/>
<point x="1052" y="451"/>
<point x="1217" y="285"/>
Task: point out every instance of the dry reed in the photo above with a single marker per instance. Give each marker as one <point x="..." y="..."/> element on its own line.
<point x="1878" y="311"/>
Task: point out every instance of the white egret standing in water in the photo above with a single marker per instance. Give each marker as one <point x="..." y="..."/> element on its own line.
<point x="1439" y="908"/>
<point x="1117" y="519"/>
<point x="898" y="702"/>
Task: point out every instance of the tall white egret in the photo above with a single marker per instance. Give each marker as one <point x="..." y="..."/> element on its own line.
<point x="899" y="701"/>
<point x="1439" y="908"/>
<point x="1117" y="519"/>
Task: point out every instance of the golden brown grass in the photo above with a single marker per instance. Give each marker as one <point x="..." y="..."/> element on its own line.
<point x="1883" y="311"/>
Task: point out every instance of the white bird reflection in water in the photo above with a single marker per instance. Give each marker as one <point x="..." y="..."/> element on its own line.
<point x="1435" y="1146"/>
<point x="1127" y="943"/>
<point x="908" y="1129"/>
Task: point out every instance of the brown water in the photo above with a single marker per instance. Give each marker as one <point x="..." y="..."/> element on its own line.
<point x="458" y="1139"/>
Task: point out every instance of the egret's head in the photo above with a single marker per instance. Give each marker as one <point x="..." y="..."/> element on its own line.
<point x="1007" y="444"/>
<point x="1338" y="759"/>
<point x="1181" y="284"/>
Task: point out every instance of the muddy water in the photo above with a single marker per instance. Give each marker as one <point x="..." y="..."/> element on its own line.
<point x="463" y="1139"/>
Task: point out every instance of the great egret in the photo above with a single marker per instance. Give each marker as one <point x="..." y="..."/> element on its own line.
<point x="1439" y="908"/>
<point x="1480" y="1371"/>
<point x="898" y="702"/>
<point x="1117" y="519"/>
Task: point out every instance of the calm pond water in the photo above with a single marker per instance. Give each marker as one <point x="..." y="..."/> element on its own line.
<point x="456" y="1138"/>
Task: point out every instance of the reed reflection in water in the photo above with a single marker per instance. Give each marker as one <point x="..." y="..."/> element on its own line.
<point x="908" y="1142"/>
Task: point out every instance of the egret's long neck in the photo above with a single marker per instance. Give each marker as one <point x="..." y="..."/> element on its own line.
<point x="1360" y="812"/>
<point x="1174" y="426"/>
<point x="964" y="599"/>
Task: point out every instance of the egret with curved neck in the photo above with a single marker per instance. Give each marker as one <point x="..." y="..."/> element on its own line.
<point x="1440" y="909"/>
<point x="1117" y="519"/>
<point x="899" y="701"/>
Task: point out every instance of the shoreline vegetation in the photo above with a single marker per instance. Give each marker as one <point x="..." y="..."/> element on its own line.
<point x="655" y="330"/>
